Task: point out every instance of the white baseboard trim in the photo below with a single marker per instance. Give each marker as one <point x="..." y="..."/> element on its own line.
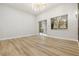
<point x="59" y="37"/>
<point x="64" y="38"/>
<point x="14" y="37"/>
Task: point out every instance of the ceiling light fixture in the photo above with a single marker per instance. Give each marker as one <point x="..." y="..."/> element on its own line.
<point x="38" y="6"/>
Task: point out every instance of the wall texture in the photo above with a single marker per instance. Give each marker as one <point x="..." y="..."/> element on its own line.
<point x="15" y="23"/>
<point x="72" y="32"/>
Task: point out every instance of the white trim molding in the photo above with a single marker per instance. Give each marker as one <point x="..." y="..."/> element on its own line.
<point x="58" y="37"/>
<point x="14" y="37"/>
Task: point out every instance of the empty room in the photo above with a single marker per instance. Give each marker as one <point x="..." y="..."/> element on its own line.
<point x="39" y="29"/>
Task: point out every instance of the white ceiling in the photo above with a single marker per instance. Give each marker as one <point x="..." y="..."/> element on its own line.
<point x="27" y="7"/>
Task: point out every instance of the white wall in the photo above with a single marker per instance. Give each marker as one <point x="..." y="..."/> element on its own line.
<point x="72" y="32"/>
<point x="15" y="23"/>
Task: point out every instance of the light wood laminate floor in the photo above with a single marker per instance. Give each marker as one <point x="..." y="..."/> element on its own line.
<point x="38" y="46"/>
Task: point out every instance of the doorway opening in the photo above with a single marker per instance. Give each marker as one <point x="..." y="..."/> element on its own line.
<point x="43" y="26"/>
